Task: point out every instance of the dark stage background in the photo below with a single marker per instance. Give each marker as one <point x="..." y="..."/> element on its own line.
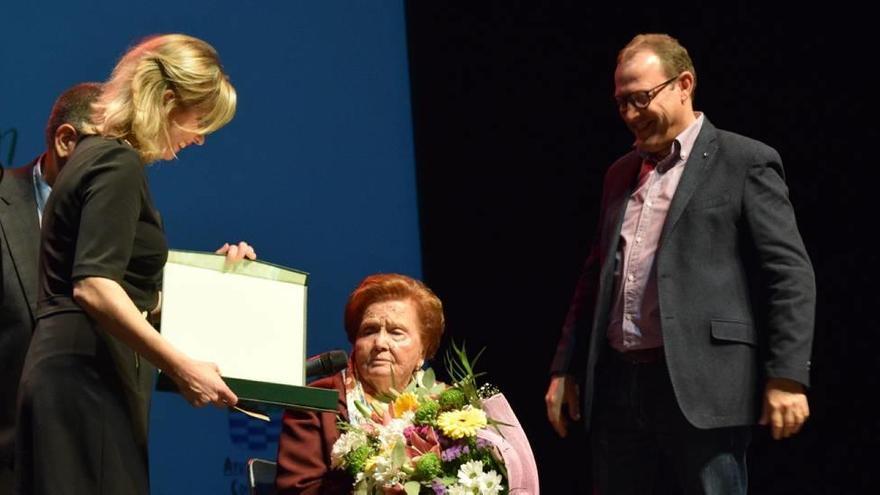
<point x="514" y="128"/>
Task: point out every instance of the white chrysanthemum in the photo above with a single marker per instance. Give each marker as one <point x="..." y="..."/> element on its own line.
<point x="489" y="483"/>
<point x="458" y="490"/>
<point x="383" y="470"/>
<point x="392" y="433"/>
<point x="346" y="443"/>
<point x="408" y="417"/>
<point x="469" y="473"/>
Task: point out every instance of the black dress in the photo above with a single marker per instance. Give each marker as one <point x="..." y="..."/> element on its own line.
<point x="84" y="395"/>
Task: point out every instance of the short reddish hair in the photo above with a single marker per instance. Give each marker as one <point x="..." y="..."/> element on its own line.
<point x="383" y="287"/>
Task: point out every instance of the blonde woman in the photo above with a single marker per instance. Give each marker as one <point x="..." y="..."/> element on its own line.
<point x="86" y="382"/>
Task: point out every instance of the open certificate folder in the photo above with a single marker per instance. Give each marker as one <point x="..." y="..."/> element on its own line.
<point x="250" y="319"/>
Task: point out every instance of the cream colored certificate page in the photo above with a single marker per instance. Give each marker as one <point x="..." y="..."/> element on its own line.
<point x="253" y="328"/>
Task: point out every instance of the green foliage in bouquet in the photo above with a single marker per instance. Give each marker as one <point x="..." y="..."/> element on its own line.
<point x="461" y="370"/>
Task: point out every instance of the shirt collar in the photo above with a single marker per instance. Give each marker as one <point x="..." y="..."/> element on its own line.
<point x="681" y="146"/>
<point x="41" y="187"/>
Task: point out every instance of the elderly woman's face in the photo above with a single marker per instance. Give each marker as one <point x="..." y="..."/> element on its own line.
<point x="388" y="348"/>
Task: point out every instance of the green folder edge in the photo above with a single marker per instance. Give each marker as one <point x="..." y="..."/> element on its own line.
<point x="273" y="394"/>
<point x="251" y="391"/>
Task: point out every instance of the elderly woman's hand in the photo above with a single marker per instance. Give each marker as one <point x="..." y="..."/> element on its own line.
<point x="237" y="252"/>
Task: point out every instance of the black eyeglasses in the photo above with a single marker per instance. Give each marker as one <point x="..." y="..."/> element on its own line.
<point x="641" y="99"/>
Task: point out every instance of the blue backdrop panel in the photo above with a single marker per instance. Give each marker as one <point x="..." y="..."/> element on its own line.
<point x="316" y="170"/>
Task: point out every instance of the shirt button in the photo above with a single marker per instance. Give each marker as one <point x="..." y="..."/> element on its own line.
<point x="630" y="277"/>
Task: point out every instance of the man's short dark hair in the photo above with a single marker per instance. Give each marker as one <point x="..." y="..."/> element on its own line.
<point x="73" y="107"/>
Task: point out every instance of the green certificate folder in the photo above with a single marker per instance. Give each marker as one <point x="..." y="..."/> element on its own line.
<point x="250" y="319"/>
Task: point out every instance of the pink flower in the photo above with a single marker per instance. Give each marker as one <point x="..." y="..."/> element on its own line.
<point x="395" y="489"/>
<point x="370" y="429"/>
<point x="421" y="441"/>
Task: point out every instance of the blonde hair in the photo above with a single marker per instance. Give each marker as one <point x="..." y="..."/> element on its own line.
<point x="134" y="106"/>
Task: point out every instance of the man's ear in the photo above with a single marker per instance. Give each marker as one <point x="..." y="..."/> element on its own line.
<point x="686" y="82"/>
<point x="66" y="137"/>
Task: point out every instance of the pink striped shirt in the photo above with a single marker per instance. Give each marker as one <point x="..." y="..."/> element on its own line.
<point x="635" y="317"/>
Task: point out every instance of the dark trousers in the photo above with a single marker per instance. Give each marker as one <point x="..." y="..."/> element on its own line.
<point x="641" y="439"/>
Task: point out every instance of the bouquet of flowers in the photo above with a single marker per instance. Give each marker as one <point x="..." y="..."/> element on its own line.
<point x="425" y="439"/>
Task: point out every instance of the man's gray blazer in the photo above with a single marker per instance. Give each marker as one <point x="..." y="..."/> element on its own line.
<point x="736" y="287"/>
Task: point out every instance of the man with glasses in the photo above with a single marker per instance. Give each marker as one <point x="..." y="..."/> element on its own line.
<point x="693" y="317"/>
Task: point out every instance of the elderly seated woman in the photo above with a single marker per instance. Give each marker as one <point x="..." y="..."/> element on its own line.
<point x="393" y="323"/>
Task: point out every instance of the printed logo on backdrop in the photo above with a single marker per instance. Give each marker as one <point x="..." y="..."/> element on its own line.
<point x="251" y="438"/>
<point x="252" y="434"/>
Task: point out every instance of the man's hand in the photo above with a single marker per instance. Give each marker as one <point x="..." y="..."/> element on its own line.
<point x="785" y="407"/>
<point x="562" y="390"/>
<point x="237" y="252"/>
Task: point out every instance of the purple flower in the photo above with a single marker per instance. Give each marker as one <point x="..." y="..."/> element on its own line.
<point x="482" y="443"/>
<point x="438" y="487"/>
<point x="449" y="454"/>
<point x="454" y="452"/>
<point x="445" y="441"/>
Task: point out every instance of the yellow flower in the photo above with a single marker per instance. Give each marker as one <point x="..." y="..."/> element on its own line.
<point x="462" y="423"/>
<point x="405" y="402"/>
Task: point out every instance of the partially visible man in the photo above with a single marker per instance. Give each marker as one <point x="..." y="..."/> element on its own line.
<point x="693" y="317"/>
<point x="23" y="194"/>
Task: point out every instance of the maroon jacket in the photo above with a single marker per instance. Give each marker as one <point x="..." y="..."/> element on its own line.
<point x="307" y="438"/>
